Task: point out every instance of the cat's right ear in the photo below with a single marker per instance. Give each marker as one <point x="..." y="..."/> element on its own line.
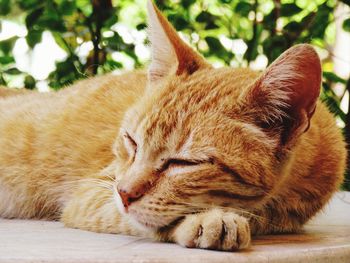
<point x="169" y="53"/>
<point x="284" y="98"/>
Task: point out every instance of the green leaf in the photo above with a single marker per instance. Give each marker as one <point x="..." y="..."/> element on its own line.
<point x="51" y="23"/>
<point x="33" y="17"/>
<point x="209" y="19"/>
<point x="13" y="71"/>
<point x="162" y="5"/>
<point x="7" y="45"/>
<point x="289" y="9"/>
<point x="252" y="51"/>
<point x="320" y="22"/>
<point x="29" y="82"/>
<point x="178" y="22"/>
<point x="66" y="72"/>
<point x="85" y="6"/>
<point x="28" y="4"/>
<point x="269" y="21"/>
<point x="60" y="41"/>
<point x="214" y="44"/>
<point x="331" y="99"/>
<point x="67" y="7"/>
<point x="346" y="25"/>
<point x="243" y="8"/>
<point x="113" y="19"/>
<point x="50" y="19"/>
<point x="211" y="25"/>
<point x="293" y="27"/>
<point x="141" y="26"/>
<point x="115" y="42"/>
<point x="5" y="7"/>
<point x="187" y="3"/>
<point x="274" y="46"/>
<point x="333" y="77"/>
<point x="33" y="37"/>
<point x="2" y="80"/>
<point x="111" y="65"/>
<point x="204" y="17"/>
<point x="6" y="60"/>
<point x="130" y="51"/>
<point x="307" y="20"/>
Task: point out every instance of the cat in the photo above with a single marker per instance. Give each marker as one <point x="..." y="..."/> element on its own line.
<point x="183" y="153"/>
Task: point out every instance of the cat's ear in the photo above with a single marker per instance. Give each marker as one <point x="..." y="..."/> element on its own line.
<point x="285" y="95"/>
<point x="170" y="54"/>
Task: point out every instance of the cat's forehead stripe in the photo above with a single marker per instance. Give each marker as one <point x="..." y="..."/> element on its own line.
<point x="181" y="108"/>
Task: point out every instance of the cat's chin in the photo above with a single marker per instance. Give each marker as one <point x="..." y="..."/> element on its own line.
<point x="150" y="223"/>
<point x="144" y="226"/>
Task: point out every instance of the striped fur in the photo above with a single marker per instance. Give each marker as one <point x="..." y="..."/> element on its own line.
<point x="213" y="155"/>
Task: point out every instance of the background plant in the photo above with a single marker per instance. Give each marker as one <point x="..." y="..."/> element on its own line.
<point x="228" y="32"/>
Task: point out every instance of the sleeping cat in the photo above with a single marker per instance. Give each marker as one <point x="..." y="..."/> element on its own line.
<point x="185" y="153"/>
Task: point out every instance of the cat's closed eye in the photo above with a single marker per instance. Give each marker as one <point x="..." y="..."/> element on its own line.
<point x="169" y="163"/>
<point x="130" y="145"/>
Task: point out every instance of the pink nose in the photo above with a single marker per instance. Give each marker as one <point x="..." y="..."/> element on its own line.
<point x="129" y="197"/>
<point x="132" y="193"/>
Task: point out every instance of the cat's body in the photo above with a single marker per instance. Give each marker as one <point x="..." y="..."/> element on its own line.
<point x="204" y="156"/>
<point x="55" y="138"/>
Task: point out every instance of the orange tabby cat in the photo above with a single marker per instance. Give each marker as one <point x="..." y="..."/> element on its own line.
<point x="204" y="157"/>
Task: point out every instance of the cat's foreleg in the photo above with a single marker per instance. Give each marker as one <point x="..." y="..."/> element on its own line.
<point x="214" y="229"/>
<point x="93" y="208"/>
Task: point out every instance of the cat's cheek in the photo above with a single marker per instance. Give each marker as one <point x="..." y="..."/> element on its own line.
<point x="138" y="225"/>
<point x="119" y="202"/>
<point x="129" y="218"/>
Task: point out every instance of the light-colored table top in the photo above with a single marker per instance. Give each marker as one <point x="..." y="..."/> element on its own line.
<point x="326" y="239"/>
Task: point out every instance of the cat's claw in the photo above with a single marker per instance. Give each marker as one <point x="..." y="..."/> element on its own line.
<point x="214" y="229"/>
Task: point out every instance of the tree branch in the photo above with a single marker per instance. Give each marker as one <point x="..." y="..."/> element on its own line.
<point x="252" y="42"/>
<point x="277" y="14"/>
<point x="95" y="22"/>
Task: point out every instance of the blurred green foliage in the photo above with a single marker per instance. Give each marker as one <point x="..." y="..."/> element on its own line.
<point x="262" y="29"/>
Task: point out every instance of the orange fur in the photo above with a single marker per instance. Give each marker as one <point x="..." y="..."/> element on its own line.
<point x="190" y="154"/>
<point x="4" y="92"/>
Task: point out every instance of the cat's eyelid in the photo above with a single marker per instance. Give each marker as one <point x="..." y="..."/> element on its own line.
<point x="181" y="162"/>
<point x="130" y="145"/>
<point x="191" y="159"/>
<point x="130" y="139"/>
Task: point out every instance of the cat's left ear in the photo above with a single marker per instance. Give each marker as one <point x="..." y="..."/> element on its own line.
<point x="284" y="98"/>
<point x="170" y="54"/>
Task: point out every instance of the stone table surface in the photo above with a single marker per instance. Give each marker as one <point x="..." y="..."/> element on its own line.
<point x="325" y="239"/>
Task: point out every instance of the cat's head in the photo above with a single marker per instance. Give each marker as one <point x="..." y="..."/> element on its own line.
<point x="202" y="137"/>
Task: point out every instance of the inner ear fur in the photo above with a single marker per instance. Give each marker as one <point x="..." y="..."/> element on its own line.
<point x="284" y="97"/>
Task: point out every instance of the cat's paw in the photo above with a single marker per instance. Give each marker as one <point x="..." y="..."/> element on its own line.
<point x="214" y="229"/>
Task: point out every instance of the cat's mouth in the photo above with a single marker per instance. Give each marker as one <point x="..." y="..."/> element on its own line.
<point x="138" y="217"/>
<point x="144" y="219"/>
